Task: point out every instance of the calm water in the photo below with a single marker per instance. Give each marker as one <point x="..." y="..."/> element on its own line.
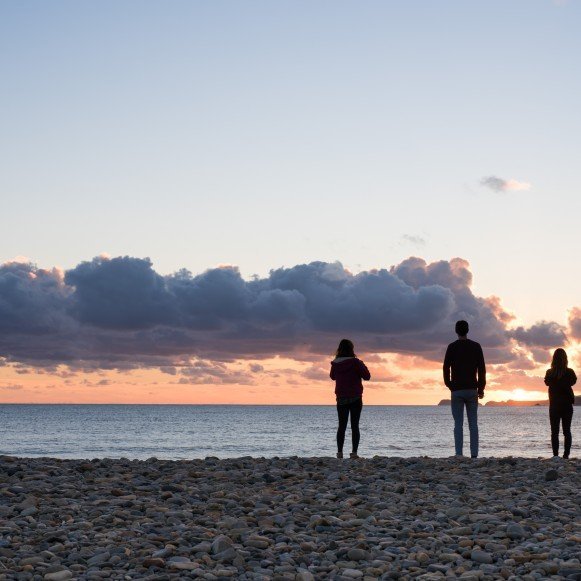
<point x="178" y="432"/>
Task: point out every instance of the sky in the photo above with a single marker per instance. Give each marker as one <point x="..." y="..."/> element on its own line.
<point x="199" y="199"/>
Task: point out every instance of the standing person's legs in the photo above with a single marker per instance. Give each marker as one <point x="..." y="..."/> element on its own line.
<point x="458" y="415"/>
<point x="472" y="414"/>
<point x="567" y="418"/>
<point x="343" y="413"/>
<point x="555" y="419"/>
<point x="355" y="409"/>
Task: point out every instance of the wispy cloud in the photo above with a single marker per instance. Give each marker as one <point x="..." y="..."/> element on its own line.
<point x="413" y="239"/>
<point x="501" y="185"/>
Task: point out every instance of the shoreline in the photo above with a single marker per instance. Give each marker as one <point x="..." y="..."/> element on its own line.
<point x="290" y="518"/>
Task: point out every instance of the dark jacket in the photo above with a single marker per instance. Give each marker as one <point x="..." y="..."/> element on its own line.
<point x="348" y="373"/>
<point x="561" y="389"/>
<point x="464" y="366"/>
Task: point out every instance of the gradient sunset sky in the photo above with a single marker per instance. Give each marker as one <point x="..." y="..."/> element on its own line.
<point x="199" y="199"/>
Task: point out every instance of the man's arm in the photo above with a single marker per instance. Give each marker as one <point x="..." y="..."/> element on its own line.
<point x="481" y="370"/>
<point x="447" y="368"/>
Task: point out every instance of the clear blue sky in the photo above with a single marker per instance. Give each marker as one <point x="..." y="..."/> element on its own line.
<point x="265" y="134"/>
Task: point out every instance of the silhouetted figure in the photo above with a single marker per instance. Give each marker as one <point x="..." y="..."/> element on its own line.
<point x="560" y="380"/>
<point x="465" y="376"/>
<point x="348" y="371"/>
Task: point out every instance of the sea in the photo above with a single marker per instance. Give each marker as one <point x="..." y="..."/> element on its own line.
<point x="179" y="432"/>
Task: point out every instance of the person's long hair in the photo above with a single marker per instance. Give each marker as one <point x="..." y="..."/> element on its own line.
<point x="345" y="349"/>
<point x="559" y="363"/>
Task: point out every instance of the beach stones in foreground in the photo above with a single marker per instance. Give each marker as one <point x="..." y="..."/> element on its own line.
<point x="296" y="519"/>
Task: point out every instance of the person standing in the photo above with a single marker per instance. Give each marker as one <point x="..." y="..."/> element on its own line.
<point x="465" y="377"/>
<point x="348" y="371"/>
<point x="560" y="380"/>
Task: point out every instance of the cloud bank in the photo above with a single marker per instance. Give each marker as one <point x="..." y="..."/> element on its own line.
<point x="543" y="334"/>
<point x="120" y="313"/>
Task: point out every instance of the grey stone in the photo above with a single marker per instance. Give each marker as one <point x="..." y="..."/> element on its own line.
<point x="220" y="544"/>
<point x="352" y="573"/>
<point x="515" y="531"/>
<point x="30" y="511"/>
<point x="481" y="556"/>
<point x="99" y="559"/>
<point x="58" y="576"/>
<point x="203" y="547"/>
<point x="358" y="555"/>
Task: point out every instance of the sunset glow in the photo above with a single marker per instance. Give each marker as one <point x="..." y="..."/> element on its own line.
<point x="201" y="218"/>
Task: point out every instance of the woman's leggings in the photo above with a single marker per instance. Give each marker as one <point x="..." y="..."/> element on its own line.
<point x="343" y="411"/>
<point x="558" y="414"/>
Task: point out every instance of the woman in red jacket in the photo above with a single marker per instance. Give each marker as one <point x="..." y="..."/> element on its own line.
<point x="348" y="371"/>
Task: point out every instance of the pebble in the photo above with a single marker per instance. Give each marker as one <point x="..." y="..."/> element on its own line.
<point x="481" y="556"/>
<point x="295" y="519"/>
<point x="358" y="555"/>
<point x="220" y="544"/>
<point x="58" y="576"/>
<point x="352" y="573"/>
<point x="153" y="562"/>
<point x="515" y="531"/>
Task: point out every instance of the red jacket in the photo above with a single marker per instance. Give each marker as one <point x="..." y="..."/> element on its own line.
<point x="348" y="373"/>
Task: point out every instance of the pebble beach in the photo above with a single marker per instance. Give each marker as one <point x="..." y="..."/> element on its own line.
<point x="290" y="519"/>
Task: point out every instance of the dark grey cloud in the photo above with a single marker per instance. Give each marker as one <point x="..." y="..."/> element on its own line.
<point x="121" y="293"/>
<point x="120" y="313"/>
<point x="32" y="300"/>
<point x="543" y="334"/>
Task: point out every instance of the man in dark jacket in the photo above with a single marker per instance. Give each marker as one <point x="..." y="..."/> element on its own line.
<point x="465" y="377"/>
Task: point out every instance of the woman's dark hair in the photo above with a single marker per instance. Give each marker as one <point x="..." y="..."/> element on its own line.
<point x="559" y="363"/>
<point x="345" y="349"/>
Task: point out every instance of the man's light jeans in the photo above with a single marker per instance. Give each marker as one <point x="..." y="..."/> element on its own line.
<point x="468" y="398"/>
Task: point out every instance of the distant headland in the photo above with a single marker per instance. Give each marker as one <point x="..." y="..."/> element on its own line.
<point x="516" y="403"/>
